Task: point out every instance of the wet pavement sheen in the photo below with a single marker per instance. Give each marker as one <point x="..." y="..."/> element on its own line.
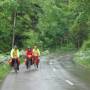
<point x="59" y="74"/>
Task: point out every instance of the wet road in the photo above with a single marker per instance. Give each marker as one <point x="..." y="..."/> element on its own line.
<point x="60" y="74"/>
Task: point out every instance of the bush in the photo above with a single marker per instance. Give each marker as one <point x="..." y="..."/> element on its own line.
<point x="83" y="55"/>
<point x="86" y="46"/>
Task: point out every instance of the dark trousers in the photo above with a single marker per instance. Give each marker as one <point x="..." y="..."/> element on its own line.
<point x="13" y="61"/>
<point x="29" y="60"/>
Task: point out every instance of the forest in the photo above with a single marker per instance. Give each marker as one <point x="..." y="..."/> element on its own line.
<point x="46" y="23"/>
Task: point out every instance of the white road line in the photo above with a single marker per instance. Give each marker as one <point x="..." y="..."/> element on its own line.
<point x="54" y="69"/>
<point x="69" y="82"/>
<point x="50" y="63"/>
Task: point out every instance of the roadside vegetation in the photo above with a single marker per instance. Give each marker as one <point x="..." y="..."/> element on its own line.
<point x="49" y="24"/>
<point x="4" y="67"/>
<point x="4" y="70"/>
<point x="83" y="55"/>
<point x="61" y="25"/>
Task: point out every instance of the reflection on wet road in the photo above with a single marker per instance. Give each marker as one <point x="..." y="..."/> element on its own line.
<point x="59" y="74"/>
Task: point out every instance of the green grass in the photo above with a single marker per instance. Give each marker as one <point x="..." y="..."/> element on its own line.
<point x="83" y="58"/>
<point x="4" y="70"/>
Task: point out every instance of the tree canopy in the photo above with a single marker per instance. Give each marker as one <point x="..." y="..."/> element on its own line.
<point x="48" y="23"/>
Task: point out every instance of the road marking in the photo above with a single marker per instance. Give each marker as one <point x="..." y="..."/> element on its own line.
<point x="54" y="69"/>
<point x="69" y="82"/>
<point x="50" y="63"/>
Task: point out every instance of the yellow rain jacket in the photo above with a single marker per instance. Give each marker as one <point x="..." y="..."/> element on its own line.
<point x="36" y="52"/>
<point x="15" y="53"/>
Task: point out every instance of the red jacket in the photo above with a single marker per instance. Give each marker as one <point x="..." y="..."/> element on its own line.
<point x="28" y="52"/>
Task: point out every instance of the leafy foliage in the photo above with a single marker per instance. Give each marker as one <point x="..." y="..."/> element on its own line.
<point x="49" y="23"/>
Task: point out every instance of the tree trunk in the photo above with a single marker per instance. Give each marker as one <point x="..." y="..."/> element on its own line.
<point x="14" y="25"/>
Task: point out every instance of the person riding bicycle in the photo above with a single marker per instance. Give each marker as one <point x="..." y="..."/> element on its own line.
<point x="36" y="55"/>
<point x="15" y="56"/>
<point x="29" y="54"/>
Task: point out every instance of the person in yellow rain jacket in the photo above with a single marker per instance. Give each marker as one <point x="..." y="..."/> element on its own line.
<point x="15" y="53"/>
<point x="36" y="55"/>
<point x="36" y="51"/>
<point x="15" y="56"/>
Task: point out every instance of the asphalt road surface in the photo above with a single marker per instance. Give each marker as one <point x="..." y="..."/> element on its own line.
<point x="60" y="73"/>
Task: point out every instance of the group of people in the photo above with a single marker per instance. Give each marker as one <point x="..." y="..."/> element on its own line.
<point x="33" y="53"/>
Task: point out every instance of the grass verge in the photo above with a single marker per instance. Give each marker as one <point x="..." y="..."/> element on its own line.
<point x="83" y="58"/>
<point x="4" y="70"/>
